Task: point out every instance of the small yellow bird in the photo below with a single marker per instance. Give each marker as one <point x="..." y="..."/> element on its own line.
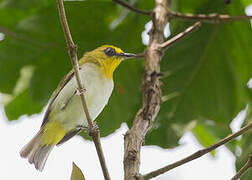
<point x="64" y="116"/>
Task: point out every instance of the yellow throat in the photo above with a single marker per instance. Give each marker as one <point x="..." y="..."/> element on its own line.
<point x="105" y="57"/>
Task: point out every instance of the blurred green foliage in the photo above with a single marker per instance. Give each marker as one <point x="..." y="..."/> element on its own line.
<point x="207" y="71"/>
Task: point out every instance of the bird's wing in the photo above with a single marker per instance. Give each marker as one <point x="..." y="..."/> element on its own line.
<point x="69" y="135"/>
<point x="61" y="85"/>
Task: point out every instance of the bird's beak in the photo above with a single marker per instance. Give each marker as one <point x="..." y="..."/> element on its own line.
<point x="127" y="55"/>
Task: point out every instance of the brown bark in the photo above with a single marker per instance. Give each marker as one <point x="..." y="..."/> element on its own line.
<point x="134" y="138"/>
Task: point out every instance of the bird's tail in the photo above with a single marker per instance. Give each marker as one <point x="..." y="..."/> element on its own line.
<point x="36" y="153"/>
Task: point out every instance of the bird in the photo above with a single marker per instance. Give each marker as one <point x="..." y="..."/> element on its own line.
<point x="64" y="116"/>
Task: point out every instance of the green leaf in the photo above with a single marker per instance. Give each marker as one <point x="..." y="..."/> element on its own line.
<point x="208" y="70"/>
<point x="77" y="173"/>
<point x="170" y="133"/>
<point x="13" y="110"/>
<point x="246" y="2"/>
<point x="41" y="43"/>
<point x="11" y="63"/>
<point x="16" y="4"/>
<point x="204" y="136"/>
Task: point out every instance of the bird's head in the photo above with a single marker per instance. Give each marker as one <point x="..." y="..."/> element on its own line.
<point x="107" y="57"/>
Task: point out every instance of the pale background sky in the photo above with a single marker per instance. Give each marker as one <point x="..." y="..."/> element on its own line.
<point x="14" y="135"/>
<point x="17" y="133"/>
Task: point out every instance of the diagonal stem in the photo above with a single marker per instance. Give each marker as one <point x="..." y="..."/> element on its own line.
<point x="244" y="169"/>
<point x="179" y="36"/>
<point x="72" y="51"/>
<point x="197" y="154"/>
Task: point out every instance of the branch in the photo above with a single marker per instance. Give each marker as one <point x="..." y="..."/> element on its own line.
<point x="179" y="36"/>
<point x="140" y="55"/>
<point x="197" y="154"/>
<point x="244" y="168"/>
<point x="72" y="51"/>
<point x="207" y="18"/>
<point x="126" y="5"/>
<point x="134" y="137"/>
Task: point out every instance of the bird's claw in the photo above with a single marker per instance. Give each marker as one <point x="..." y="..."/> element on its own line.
<point x="93" y="130"/>
<point x="85" y="128"/>
<point x="80" y="91"/>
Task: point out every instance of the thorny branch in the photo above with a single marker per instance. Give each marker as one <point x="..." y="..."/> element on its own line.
<point x="72" y="51"/>
<point x="244" y="169"/>
<point x="197" y="154"/>
<point x="134" y="138"/>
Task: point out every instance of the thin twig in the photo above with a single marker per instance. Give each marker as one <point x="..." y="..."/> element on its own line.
<point x="197" y="154"/>
<point x="244" y="168"/>
<point x="179" y="36"/>
<point x="126" y="5"/>
<point x="207" y="18"/>
<point x="72" y="51"/>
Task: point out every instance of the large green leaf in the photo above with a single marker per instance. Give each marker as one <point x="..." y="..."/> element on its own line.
<point x="25" y="5"/>
<point x="204" y="136"/>
<point x="22" y="100"/>
<point x="40" y="43"/>
<point x="208" y="70"/>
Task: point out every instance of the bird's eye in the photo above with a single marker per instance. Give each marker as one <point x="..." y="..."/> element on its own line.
<point x="110" y="51"/>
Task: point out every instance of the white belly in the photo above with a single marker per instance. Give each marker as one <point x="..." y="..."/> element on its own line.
<point x="69" y="111"/>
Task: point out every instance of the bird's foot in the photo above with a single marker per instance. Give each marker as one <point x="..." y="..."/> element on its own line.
<point x="93" y="130"/>
<point x="85" y="128"/>
<point x="90" y="130"/>
<point x="80" y="91"/>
